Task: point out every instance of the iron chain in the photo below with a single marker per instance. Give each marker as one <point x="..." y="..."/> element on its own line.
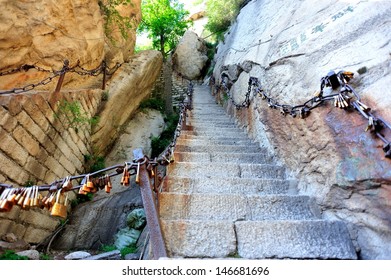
<point x="346" y="99"/>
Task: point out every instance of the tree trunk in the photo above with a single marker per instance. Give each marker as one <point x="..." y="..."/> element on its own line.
<point x="167" y="76"/>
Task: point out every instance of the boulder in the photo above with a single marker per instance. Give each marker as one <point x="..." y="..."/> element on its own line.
<point x="289" y="46"/>
<point x="189" y="58"/>
<point x="18" y="245"/>
<point x="9" y="237"/>
<point x="95" y="223"/>
<point x="31" y="254"/>
<point x="77" y="255"/>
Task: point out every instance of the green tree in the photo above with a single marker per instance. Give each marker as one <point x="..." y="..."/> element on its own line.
<point x="165" y="22"/>
<point x="220" y="15"/>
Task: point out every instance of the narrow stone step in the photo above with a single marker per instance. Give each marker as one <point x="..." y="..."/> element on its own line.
<point x="313" y="239"/>
<point x="219" y="131"/>
<point x="199" y="239"/>
<point x="214" y="133"/>
<point x="205" y="126"/>
<point x="176" y="206"/>
<point x="294" y="239"/>
<point x="225" y="120"/>
<point x="219" y="148"/>
<point x="223" y="157"/>
<point x="213" y="138"/>
<point x="204" y="142"/>
<point x="227" y="170"/>
<point x="243" y="186"/>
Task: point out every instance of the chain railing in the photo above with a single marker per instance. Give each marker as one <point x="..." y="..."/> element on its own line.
<point x="77" y="69"/>
<point x="346" y="99"/>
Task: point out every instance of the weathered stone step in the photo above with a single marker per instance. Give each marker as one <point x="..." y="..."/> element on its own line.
<point x="226" y="170"/>
<point x="199" y="239"/>
<point x="243" y="186"/>
<point x="197" y="126"/>
<point x="312" y="239"/>
<point x="219" y="130"/>
<point x="213" y="137"/>
<point x="215" y="133"/>
<point x="294" y="239"/>
<point x="212" y="121"/>
<point x="219" y="148"/>
<point x="204" y="142"/>
<point x="177" y="206"/>
<point x="223" y="157"/>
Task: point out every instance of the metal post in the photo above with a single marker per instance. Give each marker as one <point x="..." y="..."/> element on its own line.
<point x="149" y="202"/>
<point x="156" y="237"/>
<point x="104" y="75"/>
<point x="61" y="79"/>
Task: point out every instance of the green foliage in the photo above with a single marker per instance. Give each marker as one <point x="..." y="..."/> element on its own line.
<point x="73" y="115"/>
<point x="165" y="22"/>
<point x="153" y="103"/>
<point x="220" y="15"/>
<point x="81" y="198"/>
<point x="105" y="95"/>
<point x="11" y="255"/>
<point x="113" y="19"/>
<point x="29" y="183"/>
<point x="108" y="248"/>
<point x="94" y="163"/>
<point x="139" y="48"/>
<point x="159" y="144"/>
<point x="128" y="250"/>
<point x="45" y="257"/>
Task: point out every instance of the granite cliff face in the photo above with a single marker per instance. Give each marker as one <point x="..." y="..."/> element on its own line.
<point x="289" y="46"/>
<point x="45" y="33"/>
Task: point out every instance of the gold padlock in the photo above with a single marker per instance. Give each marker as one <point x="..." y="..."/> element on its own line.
<point x="5" y="205"/>
<point x="59" y="209"/>
<point x="138" y="174"/>
<point x="27" y="200"/>
<point x="67" y="185"/>
<point x="108" y="185"/>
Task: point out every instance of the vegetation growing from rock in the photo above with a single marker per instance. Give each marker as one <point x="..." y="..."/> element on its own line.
<point x="220" y="15"/>
<point x="11" y="255"/>
<point x="72" y="114"/>
<point x="165" y="22"/>
<point x="159" y="144"/>
<point x="113" y="19"/>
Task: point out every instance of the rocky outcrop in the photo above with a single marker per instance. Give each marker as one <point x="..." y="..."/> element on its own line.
<point x="46" y="33"/>
<point x="289" y="46"/>
<point x="190" y="56"/>
<point x="129" y="87"/>
<point x="119" y="48"/>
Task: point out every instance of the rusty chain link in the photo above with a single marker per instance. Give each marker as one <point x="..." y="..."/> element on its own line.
<point x="346" y="99"/>
<point x="75" y="69"/>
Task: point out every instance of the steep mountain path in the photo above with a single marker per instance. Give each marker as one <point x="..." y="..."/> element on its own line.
<point x="227" y="197"/>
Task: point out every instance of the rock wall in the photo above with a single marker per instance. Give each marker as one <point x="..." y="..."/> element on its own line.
<point x="45" y="33"/>
<point x="37" y="143"/>
<point x="289" y="46"/>
<point x="37" y="146"/>
<point x="127" y="89"/>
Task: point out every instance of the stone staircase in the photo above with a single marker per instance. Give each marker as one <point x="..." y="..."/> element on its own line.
<point x="226" y="197"/>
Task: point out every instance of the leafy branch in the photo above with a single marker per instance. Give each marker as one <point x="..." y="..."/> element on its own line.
<point x="113" y="18"/>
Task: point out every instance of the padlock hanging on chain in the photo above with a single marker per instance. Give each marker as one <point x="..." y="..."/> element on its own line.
<point x="138" y="174"/>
